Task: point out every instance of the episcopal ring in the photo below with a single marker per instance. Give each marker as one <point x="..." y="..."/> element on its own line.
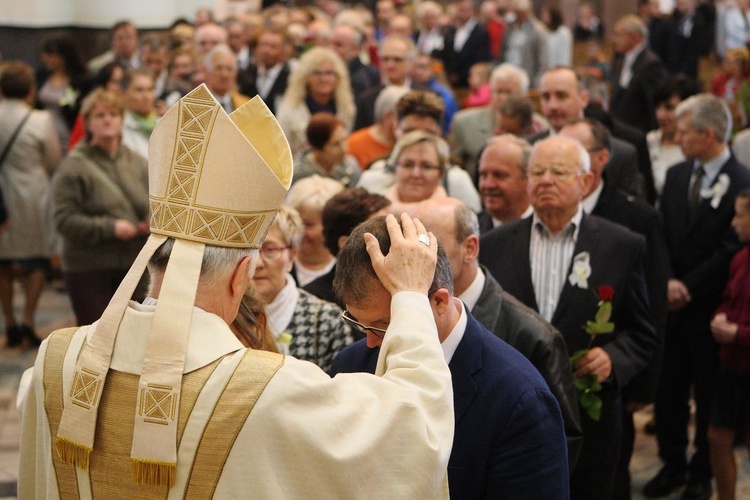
<point x="424" y="238"/>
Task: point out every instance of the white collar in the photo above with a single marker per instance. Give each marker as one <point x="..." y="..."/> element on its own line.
<point x="450" y="344"/>
<point x="574" y="221"/>
<point x="209" y="338"/>
<point x="471" y="295"/>
<point x="713" y="166"/>
<point x="589" y="202"/>
<point x="281" y="309"/>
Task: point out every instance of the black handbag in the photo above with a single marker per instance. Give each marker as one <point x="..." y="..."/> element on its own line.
<point x="3" y="208"/>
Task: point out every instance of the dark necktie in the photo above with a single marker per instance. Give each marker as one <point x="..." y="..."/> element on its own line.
<point x="695" y="189"/>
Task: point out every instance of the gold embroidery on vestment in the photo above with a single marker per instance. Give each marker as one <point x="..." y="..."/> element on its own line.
<point x="232" y="409"/>
<point x="54" y="357"/>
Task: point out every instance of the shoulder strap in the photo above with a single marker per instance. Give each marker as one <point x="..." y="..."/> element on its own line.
<point x="13" y="138"/>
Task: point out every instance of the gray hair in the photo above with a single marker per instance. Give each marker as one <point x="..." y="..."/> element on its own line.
<point x="426" y="6"/>
<point x="522" y="144"/>
<point x="507" y="71"/>
<point x="387" y="100"/>
<point x="417" y="137"/>
<point x="311" y="193"/>
<point x="633" y="24"/>
<point x="290" y="224"/>
<point x="218" y="262"/>
<point x="467" y="222"/>
<point x="584" y="161"/>
<point x="411" y="51"/>
<point x="221" y="48"/>
<point x="707" y="112"/>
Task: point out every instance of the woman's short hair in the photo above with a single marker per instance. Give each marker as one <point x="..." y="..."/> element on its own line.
<point x="66" y="47"/>
<point x="103" y="96"/>
<point x="320" y="129"/>
<point x="311" y="193"/>
<point x="16" y="79"/>
<point x="290" y="224"/>
<point x="418" y="137"/>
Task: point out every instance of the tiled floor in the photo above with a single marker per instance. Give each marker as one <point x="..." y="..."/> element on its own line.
<point x="55" y="313"/>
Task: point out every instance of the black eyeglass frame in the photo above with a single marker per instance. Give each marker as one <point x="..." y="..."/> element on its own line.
<point x="362" y="328"/>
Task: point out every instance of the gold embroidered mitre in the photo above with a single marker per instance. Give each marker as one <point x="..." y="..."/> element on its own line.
<point x="230" y="206"/>
<point x="214" y="179"/>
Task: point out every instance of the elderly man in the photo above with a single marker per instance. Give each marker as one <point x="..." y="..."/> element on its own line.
<point x="472" y="127"/>
<point x="396" y="56"/>
<point x="509" y="441"/>
<point x="346" y="41"/>
<point x="503" y="181"/>
<point x="269" y="73"/>
<point x="124" y="48"/>
<point x="635" y="75"/>
<point x="605" y="200"/>
<point x="238" y="40"/>
<point x="697" y="206"/>
<point x="221" y="77"/>
<point x="185" y="410"/>
<point x="458" y="234"/>
<point x="570" y="256"/>
<point x="431" y="33"/>
<point x="563" y="98"/>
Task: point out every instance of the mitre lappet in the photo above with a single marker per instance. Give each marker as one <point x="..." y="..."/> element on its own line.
<point x="214" y="179"/>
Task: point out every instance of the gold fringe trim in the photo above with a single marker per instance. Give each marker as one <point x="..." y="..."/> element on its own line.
<point x="72" y="453"/>
<point x="153" y="472"/>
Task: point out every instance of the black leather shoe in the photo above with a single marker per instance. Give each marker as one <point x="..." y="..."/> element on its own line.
<point x="665" y="482"/>
<point x="28" y="333"/>
<point x="697" y="490"/>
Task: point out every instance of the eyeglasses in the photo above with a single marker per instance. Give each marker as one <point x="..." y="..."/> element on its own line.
<point x="427" y="167"/>
<point x="363" y="329"/>
<point x="270" y="253"/>
<point x="321" y="74"/>
<point x="392" y="59"/>
<point x="558" y="172"/>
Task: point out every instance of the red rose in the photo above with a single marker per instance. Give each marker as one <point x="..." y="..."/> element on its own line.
<point x="606" y="293"/>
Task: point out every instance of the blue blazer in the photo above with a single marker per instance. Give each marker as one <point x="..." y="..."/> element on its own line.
<point x="509" y="440"/>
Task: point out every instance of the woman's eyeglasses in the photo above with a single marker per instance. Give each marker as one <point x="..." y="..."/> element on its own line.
<point x="270" y="253"/>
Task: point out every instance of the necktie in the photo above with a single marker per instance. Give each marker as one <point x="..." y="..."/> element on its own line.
<point x="695" y="190"/>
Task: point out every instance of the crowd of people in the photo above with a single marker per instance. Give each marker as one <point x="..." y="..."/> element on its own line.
<point x="592" y="213"/>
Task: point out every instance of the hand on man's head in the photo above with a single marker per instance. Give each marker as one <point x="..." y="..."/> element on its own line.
<point x="410" y="263"/>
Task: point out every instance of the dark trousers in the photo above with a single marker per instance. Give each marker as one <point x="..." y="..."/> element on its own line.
<point x="594" y="475"/>
<point x="622" y="476"/>
<point x="690" y="360"/>
<point x="90" y="292"/>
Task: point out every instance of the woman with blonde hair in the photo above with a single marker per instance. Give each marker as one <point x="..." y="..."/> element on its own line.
<point x="319" y="84"/>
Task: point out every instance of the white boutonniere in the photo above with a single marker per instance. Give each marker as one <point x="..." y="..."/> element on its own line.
<point x="579" y="276"/>
<point x="717" y="191"/>
<point x="69" y="97"/>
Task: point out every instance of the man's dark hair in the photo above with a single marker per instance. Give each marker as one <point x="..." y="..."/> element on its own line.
<point x="354" y="272"/>
<point x="744" y="195"/>
<point x="421" y="103"/>
<point x="520" y="108"/>
<point x="122" y="24"/>
<point x="345" y="211"/>
<point x="676" y="85"/>
<point x="16" y="79"/>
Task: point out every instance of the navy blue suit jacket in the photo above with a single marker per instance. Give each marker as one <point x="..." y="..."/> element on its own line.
<point x="509" y="441"/>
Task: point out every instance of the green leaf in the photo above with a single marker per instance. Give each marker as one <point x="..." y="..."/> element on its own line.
<point x="604" y="312"/>
<point x="595" y="410"/>
<point x="599" y="328"/>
